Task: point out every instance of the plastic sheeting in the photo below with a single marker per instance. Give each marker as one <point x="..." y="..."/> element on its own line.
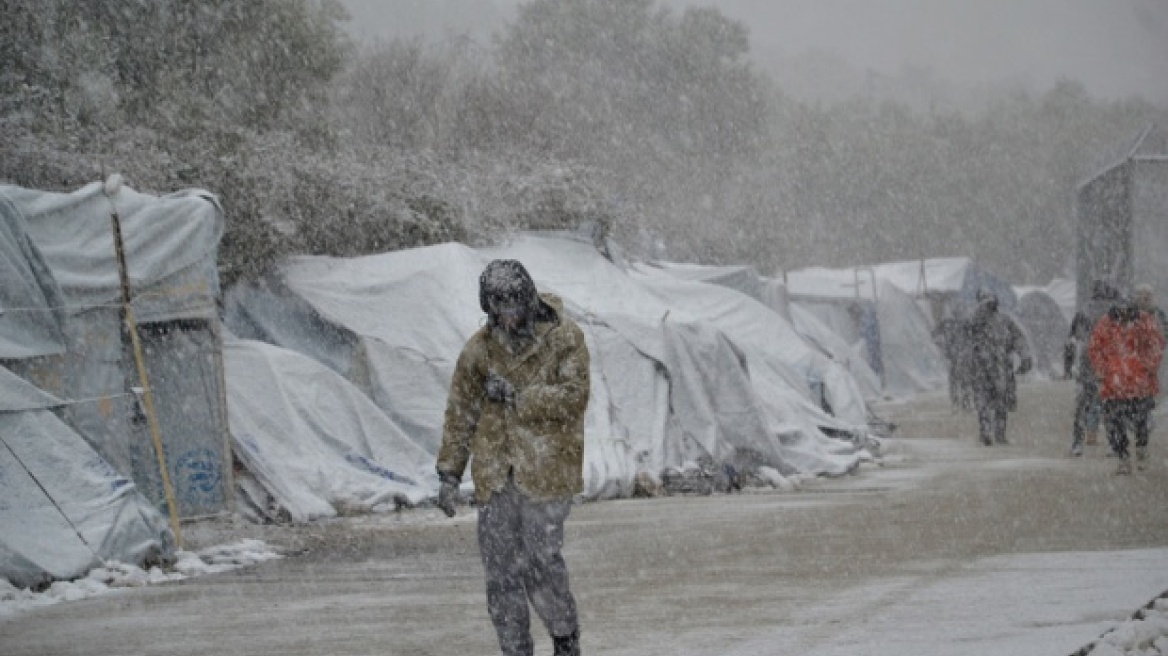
<point x="170" y="251"/>
<point x="664" y="391"/>
<point x="167" y="243"/>
<point x="63" y="509"/>
<point x="956" y="280"/>
<point x="26" y="287"/>
<point x="910" y="361"/>
<point x="315" y="442"/>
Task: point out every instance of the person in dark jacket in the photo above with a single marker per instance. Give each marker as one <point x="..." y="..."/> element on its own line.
<point x="1125" y="349"/>
<point x="995" y="340"/>
<point x="517" y="402"/>
<point x="952" y="338"/>
<point x="1088" y="406"/>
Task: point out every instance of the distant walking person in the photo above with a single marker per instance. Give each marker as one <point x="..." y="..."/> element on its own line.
<point x="516" y="404"/>
<point x="1126" y="348"/>
<point x="1088" y="406"/>
<point x="952" y="338"/>
<point x="994" y="342"/>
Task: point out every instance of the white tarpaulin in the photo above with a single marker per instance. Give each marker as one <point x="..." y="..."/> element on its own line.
<point x="170" y="254"/>
<point x="881" y="319"/>
<point x="315" y="442"/>
<point x="63" y="509"/>
<point x="26" y="287"/>
<point x="664" y="391"/>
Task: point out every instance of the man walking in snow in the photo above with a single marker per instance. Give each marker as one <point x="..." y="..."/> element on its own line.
<point x="1125" y="349"/>
<point x="994" y="341"/>
<point x="952" y="339"/>
<point x="1088" y="406"/>
<point x="516" y="404"/>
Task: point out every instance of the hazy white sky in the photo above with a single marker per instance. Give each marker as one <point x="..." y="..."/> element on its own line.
<point x="1115" y="47"/>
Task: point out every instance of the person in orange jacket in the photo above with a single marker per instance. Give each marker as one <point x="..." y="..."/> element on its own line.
<point x="1125" y="349"/>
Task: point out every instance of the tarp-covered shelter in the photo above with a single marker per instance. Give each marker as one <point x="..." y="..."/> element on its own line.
<point x="314" y="444"/>
<point x="1122" y="219"/>
<point x="668" y="387"/>
<point x="62" y="328"/>
<point x="63" y="508"/>
<point x="772" y="293"/>
<point x="879" y="318"/>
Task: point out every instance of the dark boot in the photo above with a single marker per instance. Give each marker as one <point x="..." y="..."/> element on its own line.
<point x="568" y="645"/>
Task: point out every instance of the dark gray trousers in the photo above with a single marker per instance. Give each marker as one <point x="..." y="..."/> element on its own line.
<point x="1124" y="416"/>
<point x="520" y="542"/>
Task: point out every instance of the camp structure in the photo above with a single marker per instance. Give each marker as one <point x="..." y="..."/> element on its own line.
<point x="311" y="444"/>
<point x="772" y="293"/>
<point x="63" y="507"/>
<point x="1121" y="216"/>
<point x="668" y="388"/>
<point x="63" y="329"/>
<point x="882" y="322"/>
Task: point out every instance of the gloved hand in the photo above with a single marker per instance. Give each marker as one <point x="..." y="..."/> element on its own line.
<point x="448" y="493"/>
<point x="1024" y="366"/>
<point x="499" y="389"/>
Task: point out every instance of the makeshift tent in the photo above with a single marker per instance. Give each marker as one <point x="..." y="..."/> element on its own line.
<point x="317" y="446"/>
<point x="170" y="248"/>
<point x="743" y="278"/>
<point x="879" y="318"/>
<point x="666" y="389"/>
<point x="63" y="508"/>
<point x="773" y="294"/>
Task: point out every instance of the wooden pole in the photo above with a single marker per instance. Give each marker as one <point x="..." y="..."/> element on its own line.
<point x="147" y="394"/>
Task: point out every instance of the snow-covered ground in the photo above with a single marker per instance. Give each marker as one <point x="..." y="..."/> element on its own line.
<point x="942" y="547"/>
<point x="115" y="577"/>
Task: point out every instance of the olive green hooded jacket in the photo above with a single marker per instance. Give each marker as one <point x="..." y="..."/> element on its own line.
<point x="539" y="440"/>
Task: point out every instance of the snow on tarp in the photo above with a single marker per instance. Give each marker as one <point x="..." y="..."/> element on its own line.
<point x="53" y="486"/>
<point x="170" y="245"/>
<point x="170" y="250"/>
<point x="909" y="360"/>
<point x="773" y="294"/>
<point x="394" y="324"/>
<point x="27" y="285"/>
<point x="317" y="443"/>
<point x="733" y="304"/>
<point x="741" y="277"/>
<point x="957" y="278"/>
<point x="831" y="344"/>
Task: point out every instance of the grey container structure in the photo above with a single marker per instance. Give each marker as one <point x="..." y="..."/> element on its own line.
<point x="1122" y="219"/>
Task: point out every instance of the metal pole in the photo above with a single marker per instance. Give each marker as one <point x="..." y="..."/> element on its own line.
<point x="147" y="393"/>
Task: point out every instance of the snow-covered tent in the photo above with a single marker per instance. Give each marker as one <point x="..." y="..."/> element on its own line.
<point x="667" y="387"/>
<point x="773" y="294"/>
<point x="313" y="444"/>
<point x="743" y="278"/>
<point x="876" y="316"/>
<point x="62" y="328"/>
<point x="63" y="508"/>
<point x="951" y="282"/>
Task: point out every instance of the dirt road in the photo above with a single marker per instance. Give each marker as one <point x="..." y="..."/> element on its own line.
<point x="709" y="575"/>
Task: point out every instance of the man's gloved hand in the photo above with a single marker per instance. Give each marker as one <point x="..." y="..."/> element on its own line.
<point x="1024" y="366"/>
<point x="448" y="493"/>
<point x="499" y="389"/>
